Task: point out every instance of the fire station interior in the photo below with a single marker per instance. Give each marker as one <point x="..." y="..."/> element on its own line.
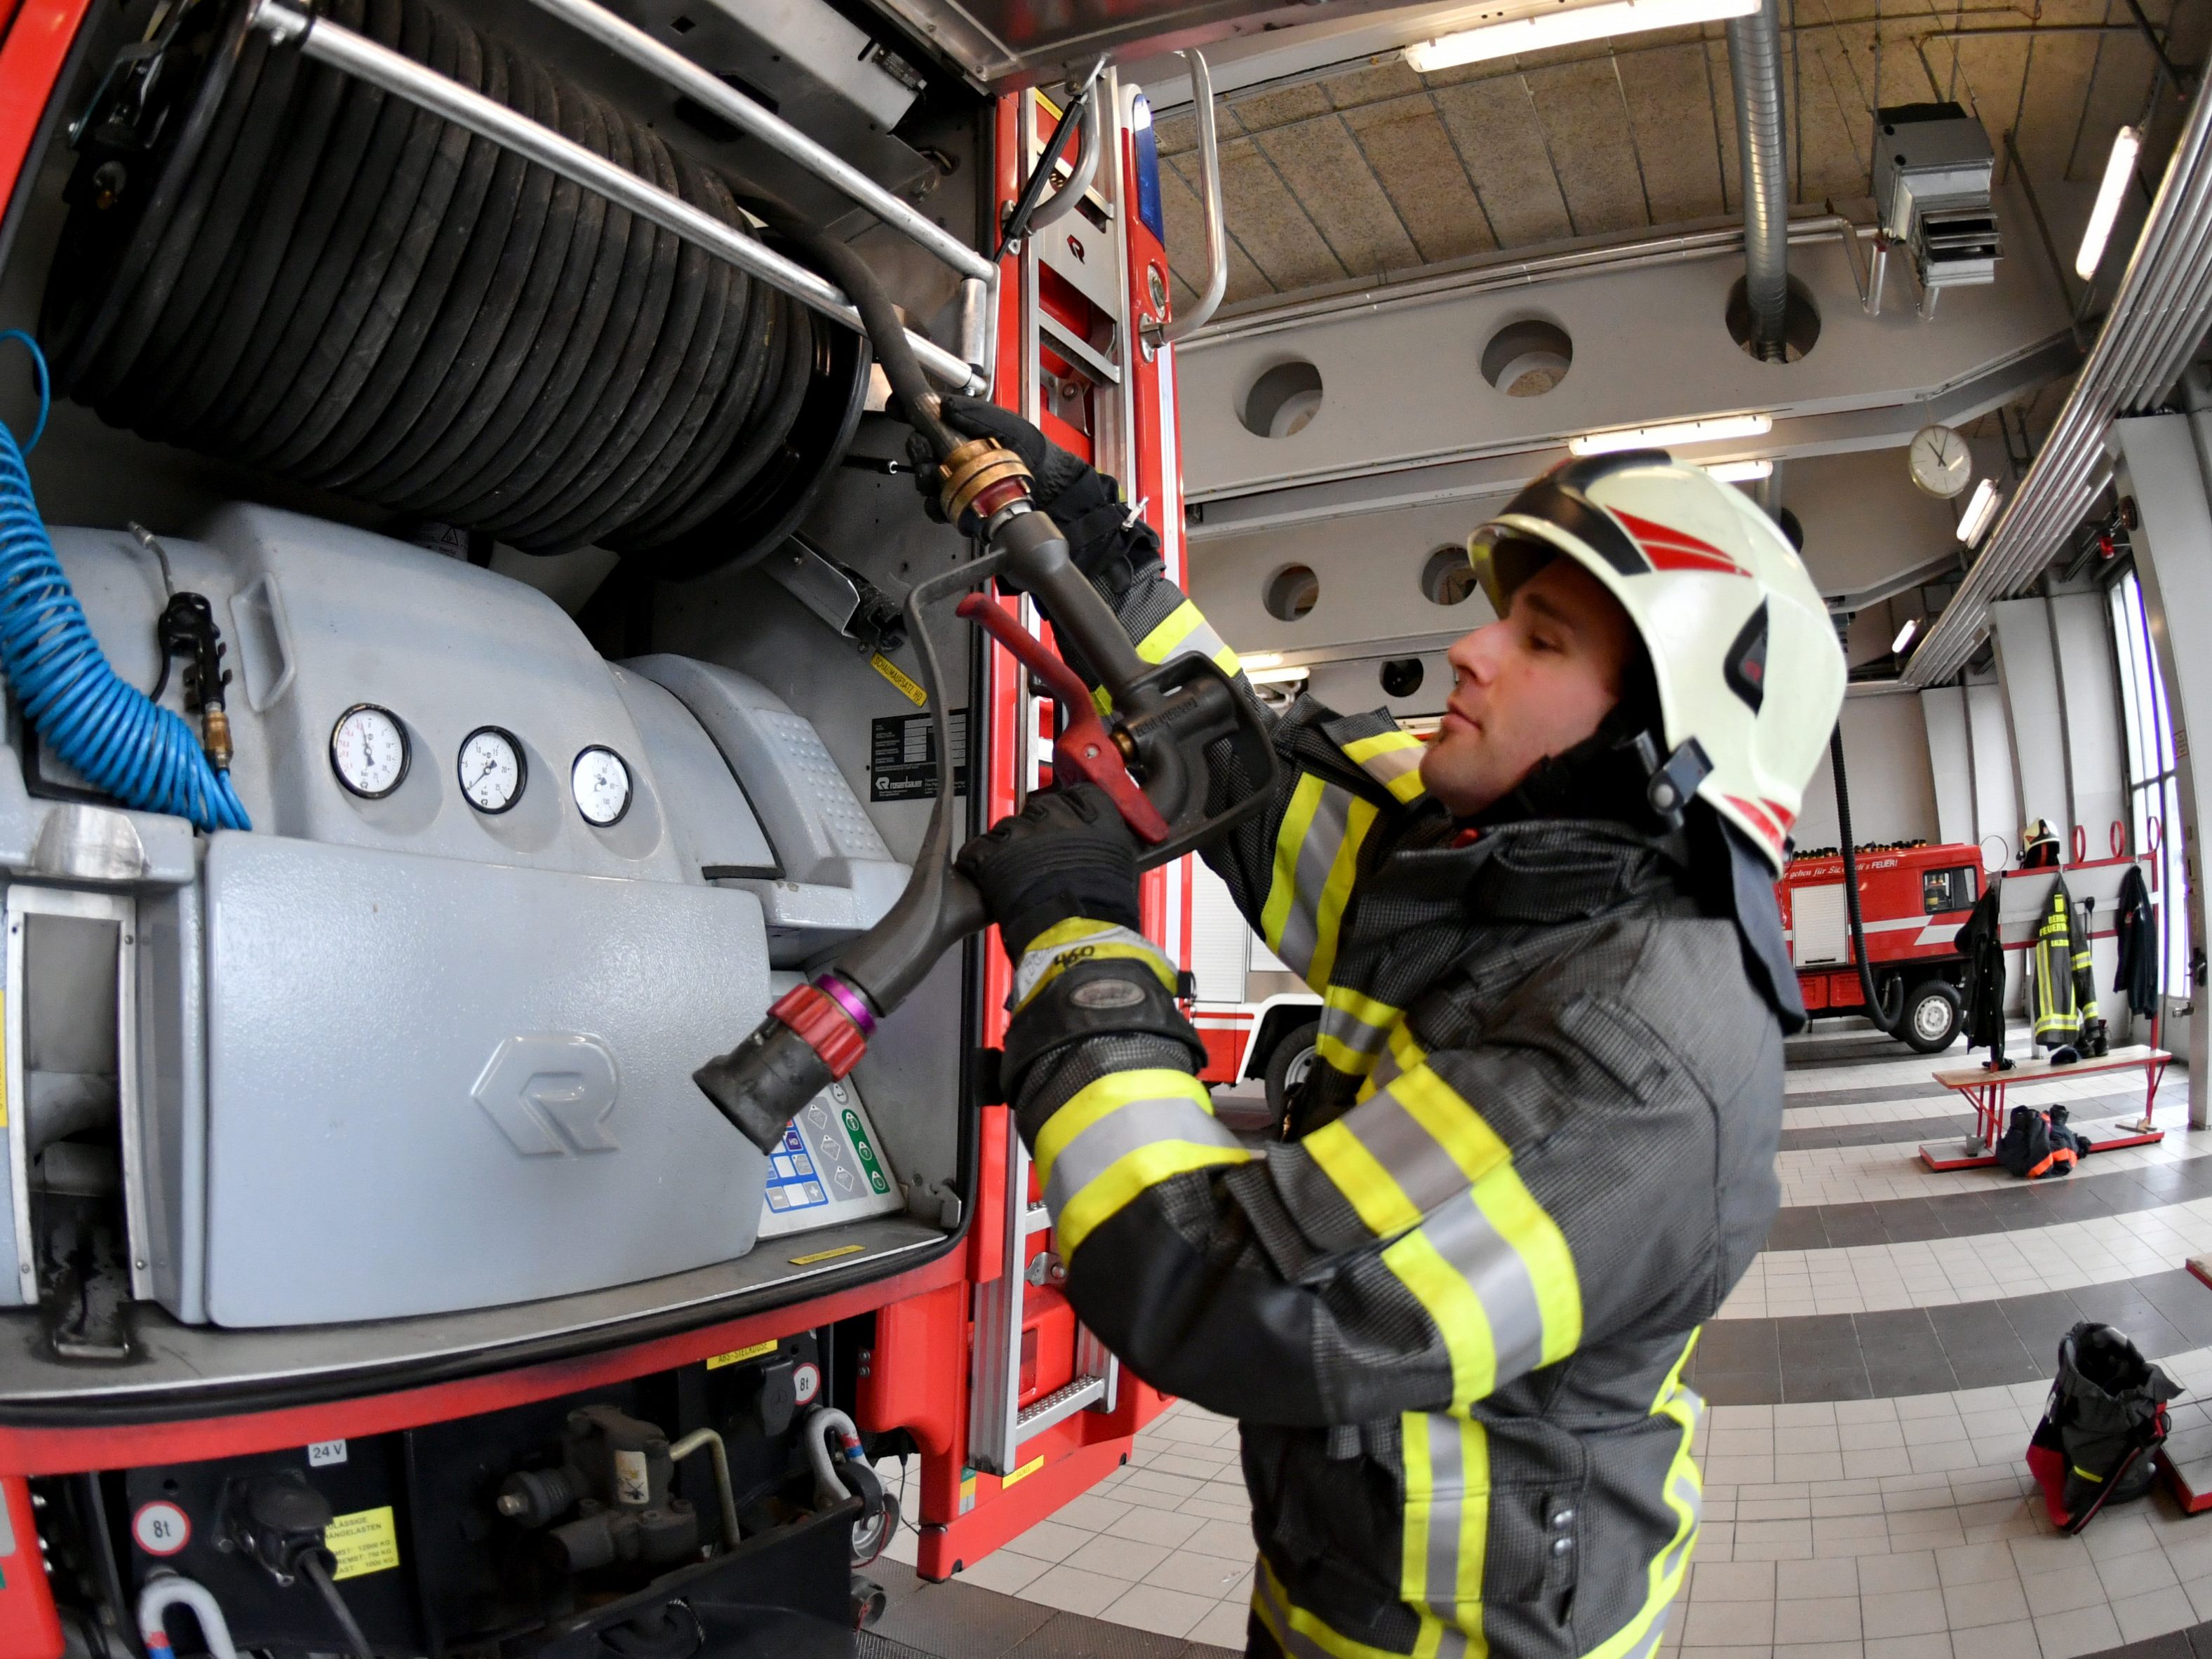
<point x="477" y="659"/>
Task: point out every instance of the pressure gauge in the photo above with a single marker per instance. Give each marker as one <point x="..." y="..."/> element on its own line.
<point x="369" y="751"/>
<point x="600" y="781"/>
<point x="490" y="768"/>
<point x="1941" y="464"/>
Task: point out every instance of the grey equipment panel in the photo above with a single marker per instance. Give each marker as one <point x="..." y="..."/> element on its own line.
<point x="838" y="876"/>
<point x="435" y="1084"/>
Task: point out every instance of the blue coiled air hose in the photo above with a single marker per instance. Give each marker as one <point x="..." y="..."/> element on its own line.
<point x="124" y="743"/>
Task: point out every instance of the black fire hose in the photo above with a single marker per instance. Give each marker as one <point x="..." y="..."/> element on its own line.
<point x="1886" y="1017"/>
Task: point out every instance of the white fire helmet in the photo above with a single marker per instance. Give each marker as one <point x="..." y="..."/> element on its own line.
<point x="1742" y="646"/>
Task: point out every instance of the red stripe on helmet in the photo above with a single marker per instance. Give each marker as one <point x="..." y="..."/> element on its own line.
<point x="1669" y="549"/>
<point x="1759" y="821"/>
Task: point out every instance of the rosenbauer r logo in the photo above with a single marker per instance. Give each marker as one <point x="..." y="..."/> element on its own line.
<point x="550" y="1092"/>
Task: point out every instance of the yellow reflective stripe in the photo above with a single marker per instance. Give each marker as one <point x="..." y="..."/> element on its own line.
<point x="1451" y="1122"/>
<point x="1366" y="1185"/>
<point x="1473" y="1529"/>
<point x="1102" y="1098"/>
<point x="1079" y="940"/>
<point x="1102" y="700"/>
<point x="1107" y="1194"/>
<point x="1460" y="1317"/>
<point x="1402" y="1055"/>
<point x="1421" y="1496"/>
<point x="1685" y="1488"/>
<point x="1304" y="1636"/>
<point x="1181" y="623"/>
<point x="1353" y="1030"/>
<point x="1393" y="759"/>
<point x="1328" y="915"/>
<point x="1474" y="1224"/>
<point x="1283" y="891"/>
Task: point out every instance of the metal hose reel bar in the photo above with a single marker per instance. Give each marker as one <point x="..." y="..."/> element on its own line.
<point x="275" y="261"/>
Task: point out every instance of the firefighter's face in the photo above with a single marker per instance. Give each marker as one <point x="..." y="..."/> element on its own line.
<point x="1532" y="684"/>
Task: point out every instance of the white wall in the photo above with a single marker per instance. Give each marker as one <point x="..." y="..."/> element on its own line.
<point x="1893" y="785"/>
<point x="2063" y="713"/>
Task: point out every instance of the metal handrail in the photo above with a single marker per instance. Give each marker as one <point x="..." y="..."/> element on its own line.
<point x="1209" y="200"/>
<point x="1085" y="168"/>
<point x="2156" y="317"/>
<point x="627" y="40"/>
<point x="418" y="84"/>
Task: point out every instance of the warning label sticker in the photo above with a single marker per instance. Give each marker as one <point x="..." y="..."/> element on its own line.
<point x="902" y="757"/>
<point x="364" y="1542"/>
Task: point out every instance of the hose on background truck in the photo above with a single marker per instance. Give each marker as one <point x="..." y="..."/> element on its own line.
<point x="1889" y="1018"/>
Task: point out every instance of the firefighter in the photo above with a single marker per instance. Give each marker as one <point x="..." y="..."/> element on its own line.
<point x="1453" y="1309"/>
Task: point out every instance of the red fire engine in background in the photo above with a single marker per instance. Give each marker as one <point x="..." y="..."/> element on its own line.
<point x="1913" y="900"/>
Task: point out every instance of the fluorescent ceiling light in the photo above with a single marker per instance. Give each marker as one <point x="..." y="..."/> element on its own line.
<point x="2119" y="167"/>
<point x="1905" y="636"/>
<point x="1248" y="661"/>
<point x="1565" y="28"/>
<point x="1674" y="432"/>
<point x="1277" y="676"/>
<point x="1742" y="471"/>
<point x="1979" y="511"/>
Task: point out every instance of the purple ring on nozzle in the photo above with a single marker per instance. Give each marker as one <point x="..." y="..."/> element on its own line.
<point x="855" y="1005"/>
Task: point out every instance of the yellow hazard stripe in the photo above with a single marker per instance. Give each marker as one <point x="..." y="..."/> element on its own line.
<point x="1107" y="1194"/>
<point x="1459" y="1318"/>
<point x="1290" y="835"/>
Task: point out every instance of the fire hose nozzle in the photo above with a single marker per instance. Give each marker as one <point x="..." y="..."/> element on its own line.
<point x="813" y="1036"/>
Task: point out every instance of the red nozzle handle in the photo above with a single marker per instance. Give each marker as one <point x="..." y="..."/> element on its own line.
<point x="1084" y="749"/>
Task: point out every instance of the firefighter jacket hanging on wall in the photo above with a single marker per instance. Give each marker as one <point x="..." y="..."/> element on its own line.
<point x="1537" y="1151"/>
<point x="2063" y="988"/>
<point x="2139" y="934"/>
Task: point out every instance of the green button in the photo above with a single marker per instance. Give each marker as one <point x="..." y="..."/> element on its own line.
<point x="860" y="1139"/>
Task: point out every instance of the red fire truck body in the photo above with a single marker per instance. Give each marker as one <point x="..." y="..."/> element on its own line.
<point x="1912" y="900"/>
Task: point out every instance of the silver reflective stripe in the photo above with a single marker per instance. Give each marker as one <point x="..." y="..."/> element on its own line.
<point x="1354" y="1032"/>
<point x="1394" y="764"/>
<point x="1386" y="1068"/>
<point x="1652" y="1638"/>
<point x="1495" y="1271"/>
<point x="1121" y="1132"/>
<point x="1685" y="1491"/>
<point x="1395" y="1138"/>
<point x="1324" y="839"/>
<point x="1446" y="1502"/>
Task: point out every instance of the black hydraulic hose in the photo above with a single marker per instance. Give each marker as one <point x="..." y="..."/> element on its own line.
<point x="887" y="333"/>
<point x="1887" y="1018"/>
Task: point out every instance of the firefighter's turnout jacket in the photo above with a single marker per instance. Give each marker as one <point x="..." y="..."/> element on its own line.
<point x="2064" y="985"/>
<point x="1536" y="1150"/>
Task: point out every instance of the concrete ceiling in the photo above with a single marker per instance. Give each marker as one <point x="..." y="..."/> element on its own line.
<point x="1369" y="171"/>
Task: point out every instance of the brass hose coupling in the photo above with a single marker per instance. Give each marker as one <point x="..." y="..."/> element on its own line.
<point x="980" y="477"/>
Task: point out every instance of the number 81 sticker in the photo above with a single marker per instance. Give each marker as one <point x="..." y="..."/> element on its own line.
<point x="160" y="1529"/>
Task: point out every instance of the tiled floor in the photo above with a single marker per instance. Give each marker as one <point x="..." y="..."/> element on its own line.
<point x="1872" y="1383"/>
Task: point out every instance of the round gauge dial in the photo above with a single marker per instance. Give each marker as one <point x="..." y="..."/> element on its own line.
<point x="1941" y="462"/>
<point x="369" y="751"/>
<point x="600" y="781"/>
<point x="490" y="768"/>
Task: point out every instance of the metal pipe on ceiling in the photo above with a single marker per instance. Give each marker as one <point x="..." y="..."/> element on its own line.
<point x="1755" y="67"/>
<point x="2157" y="317"/>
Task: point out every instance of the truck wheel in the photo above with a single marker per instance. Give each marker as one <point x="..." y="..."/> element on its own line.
<point x="1932" y="1012"/>
<point x="1288" y="1062"/>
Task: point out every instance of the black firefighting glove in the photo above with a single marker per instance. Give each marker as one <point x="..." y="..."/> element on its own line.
<point x="1109" y="544"/>
<point x="1067" y="854"/>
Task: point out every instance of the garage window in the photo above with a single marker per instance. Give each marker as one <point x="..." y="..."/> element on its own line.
<point x="2154" y="791"/>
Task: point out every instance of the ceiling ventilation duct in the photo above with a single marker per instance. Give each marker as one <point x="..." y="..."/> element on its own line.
<point x="1932" y="166"/>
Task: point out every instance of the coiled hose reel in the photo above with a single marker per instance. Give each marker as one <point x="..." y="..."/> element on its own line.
<point x="271" y="262"/>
